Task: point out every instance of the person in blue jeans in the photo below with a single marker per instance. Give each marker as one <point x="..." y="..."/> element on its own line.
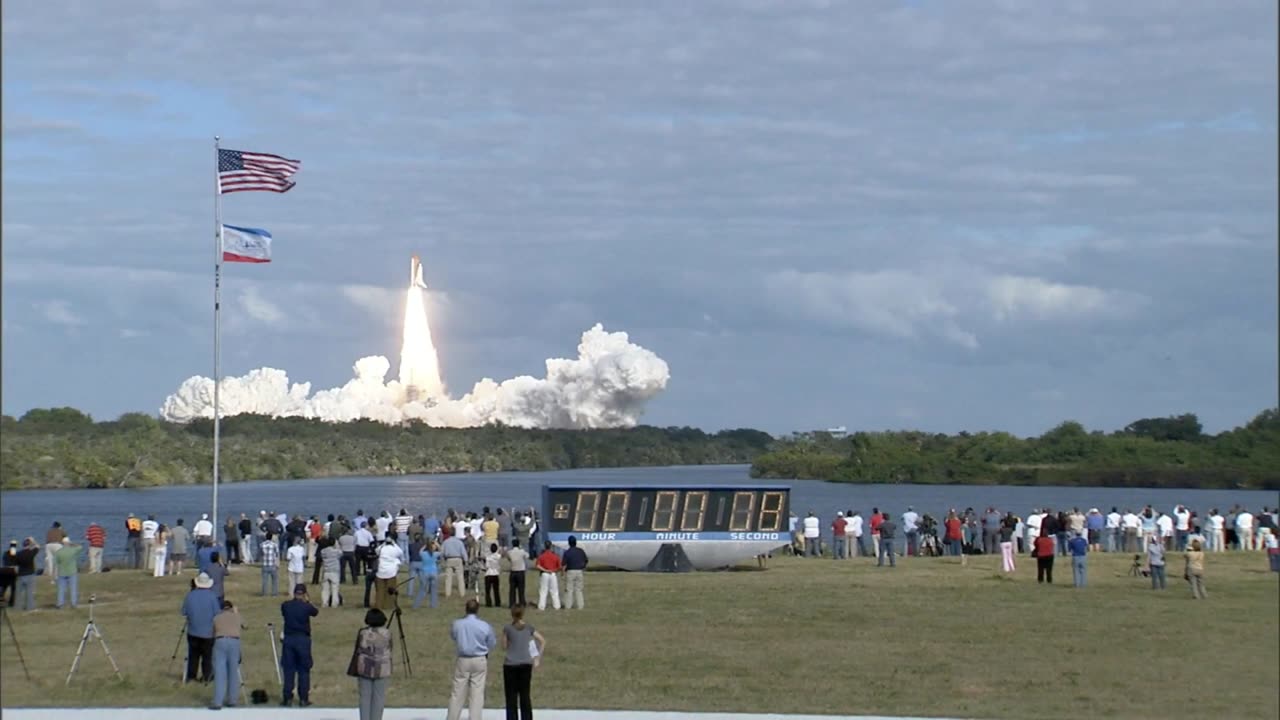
<point x="888" y="533"/>
<point x="1079" y="547"/>
<point x="427" y="570"/>
<point x="226" y="657"/>
<point x="1155" y="562"/>
<point x="66" y="560"/>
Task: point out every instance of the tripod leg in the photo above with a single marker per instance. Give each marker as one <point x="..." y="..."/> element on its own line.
<point x="79" y="651"/>
<point x="16" y="646"/>
<point x="105" y="649"/>
<point x="176" y="646"/>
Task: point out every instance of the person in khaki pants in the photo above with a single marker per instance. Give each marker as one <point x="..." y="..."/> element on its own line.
<point x="96" y="537"/>
<point x="453" y="551"/>
<point x="575" y="561"/>
<point x="474" y="640"/>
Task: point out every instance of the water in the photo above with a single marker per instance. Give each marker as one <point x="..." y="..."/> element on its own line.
<point x="30" y="512"/>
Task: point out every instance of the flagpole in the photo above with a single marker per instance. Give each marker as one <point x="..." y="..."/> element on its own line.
<point x="217" y="328"/>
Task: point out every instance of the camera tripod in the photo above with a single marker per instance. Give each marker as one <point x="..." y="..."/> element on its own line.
<point x="14" y="636"/>
<point x="182" y="633"/>
<point x="91" y="632"/>
<point x="395" y="615"/>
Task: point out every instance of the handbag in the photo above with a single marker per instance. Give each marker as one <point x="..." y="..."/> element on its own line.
<point x="354" y="665"/>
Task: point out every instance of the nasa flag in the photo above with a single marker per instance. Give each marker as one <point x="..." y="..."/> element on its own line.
<point x="242" y="244"/>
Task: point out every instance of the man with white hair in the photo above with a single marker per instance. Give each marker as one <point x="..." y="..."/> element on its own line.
<point x="203" y="529"/>
<point x="1034" y="521"/>
<point x="1216" y="528"/>
<point x="1244" y="530"/>
<point x="812" y="535"/>
<point x="1164" y="525"/>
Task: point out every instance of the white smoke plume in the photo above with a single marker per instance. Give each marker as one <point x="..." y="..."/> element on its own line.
<point x="606" y="386"/>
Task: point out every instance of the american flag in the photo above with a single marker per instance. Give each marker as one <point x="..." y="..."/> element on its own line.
<point x="239" y="171"/>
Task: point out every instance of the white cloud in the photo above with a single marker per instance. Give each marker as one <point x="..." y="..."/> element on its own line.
<point x="1013" y="297"/>
<point x="59" y="312"/>
<point x="260" y="308"/>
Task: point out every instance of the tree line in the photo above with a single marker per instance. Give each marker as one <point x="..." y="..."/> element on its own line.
<point x="64" y="448"/>
<point x="1151" y="452"/>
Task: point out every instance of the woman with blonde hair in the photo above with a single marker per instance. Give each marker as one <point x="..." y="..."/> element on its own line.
<point x="1195" y="570"/>
<point x="371" y="664"/>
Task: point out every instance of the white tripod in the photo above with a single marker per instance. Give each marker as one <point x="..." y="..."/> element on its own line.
<point x="91" y="632"/>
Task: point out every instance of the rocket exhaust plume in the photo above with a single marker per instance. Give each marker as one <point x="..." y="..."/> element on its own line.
<point x="419" y="362"/>
<point x="605" y="386"/>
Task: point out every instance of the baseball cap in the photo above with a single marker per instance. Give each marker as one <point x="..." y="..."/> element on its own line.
<point x="299" y="589"/>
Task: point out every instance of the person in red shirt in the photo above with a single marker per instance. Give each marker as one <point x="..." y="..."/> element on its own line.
<point x="1042" y="551"/>
<point x="97" y="540"/>
<point x="838" y="535"/>
<point x="549" y="565"/>
<point x="955" y="535"/>
<point x="876" y="521"/>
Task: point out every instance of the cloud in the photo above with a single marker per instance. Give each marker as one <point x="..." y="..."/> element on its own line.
<point x="259" y="308"/>
<point x="59" y="312"/>
<point x="1015" y="297"/>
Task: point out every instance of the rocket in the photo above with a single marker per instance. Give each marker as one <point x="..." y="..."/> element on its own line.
<point x="415" y="273"/>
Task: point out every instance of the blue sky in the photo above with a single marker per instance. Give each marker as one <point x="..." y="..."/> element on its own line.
<point x="932" y="214"/>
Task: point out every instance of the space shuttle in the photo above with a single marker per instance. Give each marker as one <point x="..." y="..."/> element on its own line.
<point x="415" y="273"/>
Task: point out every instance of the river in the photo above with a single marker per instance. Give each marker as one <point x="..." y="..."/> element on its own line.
<point x="30" y="512"/>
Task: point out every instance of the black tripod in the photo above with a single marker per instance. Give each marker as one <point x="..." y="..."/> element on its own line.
<point x="395" y="615"/>
<point x="9" y="623"/>
<point x="91" y="632"/>
<point x="181" y="634"/>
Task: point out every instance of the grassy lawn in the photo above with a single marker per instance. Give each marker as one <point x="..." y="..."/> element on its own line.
<point x="927" y="638"/>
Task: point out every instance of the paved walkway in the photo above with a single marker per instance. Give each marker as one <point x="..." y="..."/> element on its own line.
<point x="274" y="712"/>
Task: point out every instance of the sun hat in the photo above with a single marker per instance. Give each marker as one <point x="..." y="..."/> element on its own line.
<point x="203" y="581"/>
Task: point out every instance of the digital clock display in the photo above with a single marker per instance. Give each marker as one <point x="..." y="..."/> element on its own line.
<point x="586" y="510"/>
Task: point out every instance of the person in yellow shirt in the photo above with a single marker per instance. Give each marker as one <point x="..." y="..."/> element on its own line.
<point x="490" y="529"/>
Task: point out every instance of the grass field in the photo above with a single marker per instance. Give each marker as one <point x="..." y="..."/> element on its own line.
<point x="927" y="638"/>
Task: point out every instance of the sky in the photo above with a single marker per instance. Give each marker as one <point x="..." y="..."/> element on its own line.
<point x="934" y="214"/>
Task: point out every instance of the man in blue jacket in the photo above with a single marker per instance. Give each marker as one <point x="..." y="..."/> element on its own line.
<point x="295" y="654"/>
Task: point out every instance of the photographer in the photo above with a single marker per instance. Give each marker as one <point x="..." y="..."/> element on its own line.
<point x="389" y="559"/>
<point x="25" y="561"/>
<point x="226" y="656"/>
<point x="295" y="651"/>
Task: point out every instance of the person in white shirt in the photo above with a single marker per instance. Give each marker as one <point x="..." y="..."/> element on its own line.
<point x="364" y="549"/>
<point x="202" y="530"/>
<point x="384" y="580"/>
<point x="1034" y="521"/>
<point x="149" y="528"/>
<point x="382" y="524"/>
<point x="1131" y="523"/>
<point x="1244" y="530"/>
<point x="297" y="559"/>
<point x="812" y="535"/>
<point x="1112" y="531"/>
<point x="476" y="529"/>
<point x="1181" y="525"/>
<point x="1215" y="529"/>
<point x="911" y="528"/>
<point x="1165" y="524"/>
<point x="855" y="531"/>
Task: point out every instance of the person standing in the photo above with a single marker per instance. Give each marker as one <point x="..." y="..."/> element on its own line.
<point x="389" y="561"/>
<point x="911" y="526"/>
<point x="67" y="561"/>
<point x="855" y="533"/>
<point x="812" y="535"/>
<point x="1195" y="570"/>
<point x="331" y="582"/>
<point x="839" y="527"/>
<point x="518" y="560"/>
<point x="428" y="569"/>
<point x="200" y="607"/>
<point x="226" y="657"/>
<point x="473" y="640"/>
<point x="347" y="544"/>
<point x="1244" y="530"/>
<point x="1111" y="536"/>
<point x="373" y="664"/>
<point x="548" y="582"/>
<point x="518" y="640"/>
<point x="96" y="538"/>
<point x="953" y="534"/>
<point x="25" y="560"/>
<point x="1130" y="524"/>
<point x="1155" y="562"/>
<point x="178" y="539"/>
<point x="296" y="559"/>
<point x="1008" y="530"/>
<point x="52" y="543"/>
<point x="575" y="564"/>
<point x="160" y="551"/>
<point x="454" y="551"/>
<point x="231" y="540"/>
<point x="1079" y="548"/>
<point x="888" y="533"/>
<point x="1042" y="550"/>
<point x="492" y="577"/>
<point x="270" y="564"/>
<point x="149" y="529"/>
<point x="295" y="651"/>
<point x="504" y="529"/>
<point x="1216" y="528"/>
<point x="1095" y="524"/>
<point x="203" y="530"/>
<point x="245" y="529"/>
<point x="133" y="541"/>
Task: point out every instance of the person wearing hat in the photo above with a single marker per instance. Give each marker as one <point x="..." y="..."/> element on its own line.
<point x="203" y="530"/>
<point x="295" y="654"/>
<point x="226" y="656"/>
<point x="25" y="561"/>
<point x="838" y="533"/>
<point x="200" y="607"/>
